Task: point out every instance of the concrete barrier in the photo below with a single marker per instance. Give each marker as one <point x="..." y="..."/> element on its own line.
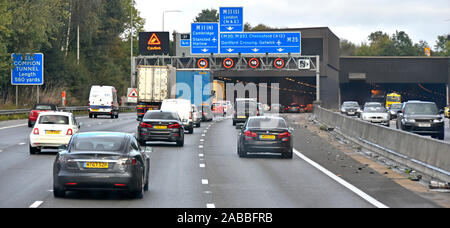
<point x="424" y="154"/>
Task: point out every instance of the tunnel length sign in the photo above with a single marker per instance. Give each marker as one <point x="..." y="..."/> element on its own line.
<point x="27" y="69"/>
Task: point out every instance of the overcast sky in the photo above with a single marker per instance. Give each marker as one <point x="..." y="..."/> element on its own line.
<point x="353" y="20"/>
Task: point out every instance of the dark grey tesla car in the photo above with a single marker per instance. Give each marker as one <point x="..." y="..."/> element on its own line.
<point x="102" y="161"/>
<point x="265" y="134"/>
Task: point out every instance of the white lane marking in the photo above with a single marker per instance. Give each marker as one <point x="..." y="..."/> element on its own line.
<point x="36" y="204"/>
<point x="1" y="151"/>
<point x="200" y="146"/>
<point x="352" y="188"/>
<point x="210" y="205"/>
<point x="202" y="165"/>
<point x="20" y="125"/>
<point x="21" y="144"/>
<point x="205" y="181"/>
<point x="203" y="135"/>
<point x="201" y="155"/>
<point x="202" y="140"/>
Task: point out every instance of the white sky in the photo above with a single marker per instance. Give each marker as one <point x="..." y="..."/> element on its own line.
<point x="353" y="20"/>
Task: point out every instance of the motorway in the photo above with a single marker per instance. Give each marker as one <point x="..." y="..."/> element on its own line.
<point x="205" y="173"/>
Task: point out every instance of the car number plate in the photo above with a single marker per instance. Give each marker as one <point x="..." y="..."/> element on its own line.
<point x="160" y="127"/>
<point x="424" y="125"/>
<point x="95" y="110"/>
<point x="271" y="137"/>
<point x="51" y="132"/>
<point x="351" y="113"/>
<point x="96" y="165"/>
<point x="242" y="117"/>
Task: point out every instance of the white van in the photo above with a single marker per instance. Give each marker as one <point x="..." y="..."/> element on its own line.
<point x="184" y="109"/>
<point x="103" y="101"/>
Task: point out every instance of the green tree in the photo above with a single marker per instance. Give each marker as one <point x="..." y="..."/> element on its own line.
<point x="207" y="15"/>
<point x="442" y="46"/>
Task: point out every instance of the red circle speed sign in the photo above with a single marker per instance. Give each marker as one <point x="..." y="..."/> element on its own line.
<point x="279" y="63"/>
<point x="253" y="63"/>
<point x="202" y="63"/>
<point x="228" y="63"/>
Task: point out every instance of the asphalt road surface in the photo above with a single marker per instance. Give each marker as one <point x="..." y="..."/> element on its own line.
<point x="206" y="172"/>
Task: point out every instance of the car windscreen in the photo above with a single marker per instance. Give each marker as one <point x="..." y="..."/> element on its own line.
<point x="98" y="143"/>
<point x="161" y="116"/>
<point x="373" y="104"/>
<point x="374" y="109"/>
<point x="421" y="109"/>
<point x="350" y="104"/>
<point x="266" y="123"/>
<point x="44" y="107"/>
<point x="53" y="119"/>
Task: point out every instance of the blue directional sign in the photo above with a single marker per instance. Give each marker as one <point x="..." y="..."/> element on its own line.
<point x="28" y="69"/>
<point x="231" y="19"/>
<point x="185" y="43"/>
<point x="260" y="42"/>
<point x="204" y="38"/>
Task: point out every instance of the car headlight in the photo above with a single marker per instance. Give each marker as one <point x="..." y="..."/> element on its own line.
<point x="410" y="120"/>
<point x="440" y="120"/>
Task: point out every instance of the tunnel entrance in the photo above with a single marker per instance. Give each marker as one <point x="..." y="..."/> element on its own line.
<point x="363" y="92"/>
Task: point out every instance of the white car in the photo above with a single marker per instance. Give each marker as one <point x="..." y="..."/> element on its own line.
<point x="197" y="116"/>
<point x="52" y="130"/>
<point x="376" y="115"/>
<point x="184" y="109"/>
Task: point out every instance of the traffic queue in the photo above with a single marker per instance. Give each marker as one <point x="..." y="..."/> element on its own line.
<point x="419" y="117"/>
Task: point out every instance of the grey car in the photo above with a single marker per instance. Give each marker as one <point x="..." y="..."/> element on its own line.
<point x="102" y="161"/>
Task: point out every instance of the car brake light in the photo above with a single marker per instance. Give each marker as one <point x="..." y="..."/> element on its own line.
<point x="190" y="115"/>
<point x="250" y="134"/>
<point x="69" y="131"/>
<point x="146" y="125"/>
<point x="174" y="126"/>
<point x="36" y="131"/>
<point x="284" y="136"/>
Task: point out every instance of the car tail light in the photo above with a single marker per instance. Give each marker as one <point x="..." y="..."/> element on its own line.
<point x="69" y="131"/>
<point x="174" y="126"/>
<point x="36" y="131"/>
<point x="190" y="115"/>
<point x="257" y="113"/>
<point x="120" y="185"/>
<point x="284" y="136"/>
<point x="249" y="135"/>
<point x="146" y="125"/>
<point x="71" y="184"/>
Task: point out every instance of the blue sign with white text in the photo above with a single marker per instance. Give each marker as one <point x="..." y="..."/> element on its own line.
<point x="231" y="19"/>
<point x="27" y="69"/>
<point x="185" y="43"/>
<point x="204" y="38"/>
<point x="260" y="43"/>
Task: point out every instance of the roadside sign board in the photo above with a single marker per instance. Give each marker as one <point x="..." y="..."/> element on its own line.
<point x="231" y="19"/>
<point x="204" y="38"/>
<point x="27" y="69"/>
<point x="154" y="43"/>
<point x="132" y="95"/>
<point x="185" y="40"/>
<point x="260" y="42"/>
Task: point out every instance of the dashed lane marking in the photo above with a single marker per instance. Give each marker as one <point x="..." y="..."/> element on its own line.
<point x="36" y="204"/>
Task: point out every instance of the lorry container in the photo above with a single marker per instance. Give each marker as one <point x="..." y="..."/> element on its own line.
<point x="154" y="85"/>
<point x="219" y="91"/>
<point x="194" y="85"/>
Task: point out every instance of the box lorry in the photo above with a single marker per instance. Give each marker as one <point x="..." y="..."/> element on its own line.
<point x="194" y="85"/>
<point x="154" y="86"/>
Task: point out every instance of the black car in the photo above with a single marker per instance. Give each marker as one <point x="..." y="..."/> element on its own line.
<point x="207" y="114"/>
<point x="243" y="109"/>
<point x="350" y="108"/>
<point x="421" y="118"/>
<point x="394" y="109"/>
<point x="161" y="126"/>
<point x="102" y="161"/>
<point x="268" y="134"/>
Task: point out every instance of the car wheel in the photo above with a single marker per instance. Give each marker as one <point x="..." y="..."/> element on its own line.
<point x="117" y="116"/>
<point x="58" y="193"/>
<point x="234" y="123"/>
<point x="180" y="142"/>
<point x="29" y="124"/>
<point x="139" y="193"/>
<point x="34" y="150"/>
<point x="90" y="115"/>
<point x="241" y="153"/>
<point x="146" y="179"/>
<point x="191" y="130"/>
<point x="441" y="136"/>
<point x="288" y="155"/>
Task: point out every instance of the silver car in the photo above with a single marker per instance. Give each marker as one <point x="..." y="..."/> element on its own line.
<point x="376" y="115"/>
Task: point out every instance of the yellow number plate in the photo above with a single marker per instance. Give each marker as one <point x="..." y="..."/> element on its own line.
<point x="271" y="137"/>
<point x="242" y="117"/>
<point x="96" y="165"/>
<point x="52" y="132"/>
<point x="160" y="127"/>
<point x="95" y="110"/>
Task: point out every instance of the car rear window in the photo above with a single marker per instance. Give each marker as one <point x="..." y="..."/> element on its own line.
<point x="421" y="109"/>
<point x="44" y="107"/>
<point x="266" y="123"/>
<point x="161" y="115"/>
<point x="98" y="143"/>
<point x="374" y="109"/>
<point x="54" y="119"/>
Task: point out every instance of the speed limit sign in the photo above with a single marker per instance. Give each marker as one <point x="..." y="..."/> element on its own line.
<point x="202" y="63"/>
<point x="279" y="63"/>
<point x="228" y="63"/>
<point x="253" y="63"/>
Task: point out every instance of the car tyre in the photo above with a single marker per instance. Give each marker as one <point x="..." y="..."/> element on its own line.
<point x="59" y="193"/>
<point x="191" y="130"/>
<point x="139" y="193"/>
<point x="29" y="124"/>
<point x="241" y="153"/>
<point x="34" y="150"/>
<point x="180" y="142"/>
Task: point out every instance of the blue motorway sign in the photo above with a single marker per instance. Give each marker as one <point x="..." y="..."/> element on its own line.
<point x="27" y="69"/>
<point x="260" y="42"/>
<point x="185" y="43"/>
<point x="204" y="38"/>
<point x="231" y="19"/>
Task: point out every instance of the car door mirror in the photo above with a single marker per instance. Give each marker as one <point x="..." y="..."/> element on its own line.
<point x="291" y="129"/>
